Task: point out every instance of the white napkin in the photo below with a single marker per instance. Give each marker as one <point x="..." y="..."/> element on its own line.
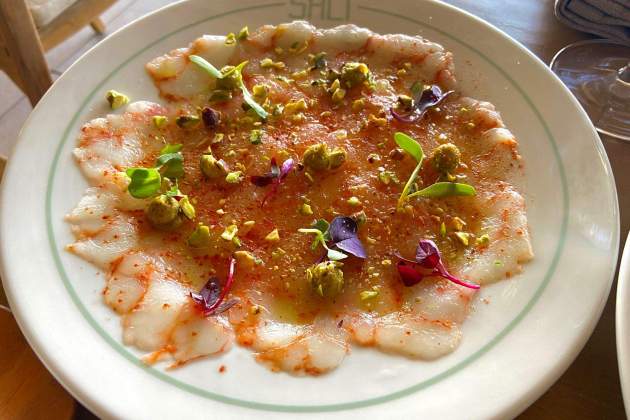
<point x="607" y="18"/>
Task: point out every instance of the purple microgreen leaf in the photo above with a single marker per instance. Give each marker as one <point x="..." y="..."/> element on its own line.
<point x="342" y="228"/>
<point x="427" y="98"/>
<point x="428" y="263"/>
<point x="352" y="246"/>
<point x="428" y="254"/>
<point x="212" y="295"/>
<point x="287" y="166"/>
<point x="408" y="274"/>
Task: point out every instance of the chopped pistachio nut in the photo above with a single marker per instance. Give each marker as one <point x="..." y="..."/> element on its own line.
<point x="401" y="72"/>
<point x="368" y="294"/>
<point x="326" y="278"/>
<point x="305" y="209"/>
<point x="187" y="208"/>
<point x="300" y="75"/>
<point x="360" y="218"/>
<point x="379" y="122"/>
<point x="211" y="167"/>
<point x="187" y="121"/>
<point x="218" y="138"/>
<point x="354" y="201"/>
<point x="353" y="74"/>
<point x="273" y="236"/>
<point x="246" y="258"/>
<point x="243" y="34"/>
<point x="234" y="177"/>
<point x="220" y="95"/>
<point x="458" y="224"/>
<point x="358" y="104"/>
<point x="230" y="38"/>
<point x="338" y="95"/>
<point x="443" y="230"/>
<point x="316" y="157"/>
<point x="260" y="92"/>
<point x="387" y="177"/>
<point x="255" y="136"/>
<point x="200" y="237"/>
<point x="268" y="63"/>
<point x="405" y="102"/>
<point x="386" y="262"/>
<point x="278" y="252"/>
<point x="159" y="121"/>
<point x="230" y="233"/>
<point x="373" y="157"/>
<point x="463" y="237"/>
<point x="295" y="107"/>
<point x="446" y="158"/>
<point x="337" y="157"/>
<point x="318" y="61"/>
<point x="483" y="240"/>
<point x="247" y="226"/>
<point x="116" y="99"/>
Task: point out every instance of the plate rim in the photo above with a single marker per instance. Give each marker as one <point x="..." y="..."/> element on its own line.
<point x="599" y="146"/>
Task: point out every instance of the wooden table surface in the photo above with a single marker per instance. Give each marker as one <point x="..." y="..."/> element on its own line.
<point x="588" y="389"/>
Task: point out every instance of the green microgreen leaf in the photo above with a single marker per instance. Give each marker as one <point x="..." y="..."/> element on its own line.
<point x="209" y="68"/>
<point x="322" y="225"/>
<point x="145" y="182"/>
<point x="335" y="255"/>
<point x="409" y="145"/>
<point x="445" y="189"/>
<point x="171" y="161"/>
<point x="414" y="149"/>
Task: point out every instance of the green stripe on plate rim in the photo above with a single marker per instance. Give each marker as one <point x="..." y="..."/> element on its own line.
<point x="305" y="408"/>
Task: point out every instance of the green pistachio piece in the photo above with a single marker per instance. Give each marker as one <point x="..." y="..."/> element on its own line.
<point x="354" y="201"/>
<point x="306" y="210"/>
<point x="353" y="74"/>
<point x="483" y="240"/>
<point x="255" y="136"/>
<point x="159" y="121"/>
<point x="234" y="177"/>
<point x="220" y="95"/>
<point x="338" y="95"/>
<point x="187" y="121"/>
<point x="116" y="99"/>
<point x="273" y="236"/>
<point x="200" y="237"/>
<point x="464" y="238"/>
<point x="326" y="278"/>
<point x="405" y="102"/>
<point x="187" y="208"/>
<point x="230" y="80"/>
<point x="230" y="233"/>
<point x="211" y="167"/>
<point x="243" y="34"/>
<point x="230" y="38"/>
<point x="367" y="295"/>
<point x="337" y="157"/>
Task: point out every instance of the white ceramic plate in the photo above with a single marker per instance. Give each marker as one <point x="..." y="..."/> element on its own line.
<point x="514" y="347"/>
<point x="622" y="324"/>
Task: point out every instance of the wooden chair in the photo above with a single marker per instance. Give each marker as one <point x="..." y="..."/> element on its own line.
<point x="23" y="43"/>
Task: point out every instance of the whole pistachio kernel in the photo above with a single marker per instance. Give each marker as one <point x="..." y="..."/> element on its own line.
<point x="187" y="121"/>
<point x="116" y="99"/>
<point x="316" y="157"/>
<point x="211" y="167"/>
<point x="326" y="278"/>
<point x="243" y="34"/>
<point x="337" y="157"/>
<point x="353" y="74"/>
<point x="446" y="158"/>
<point x="163" y="212"/>
<point x="200" y="237"/>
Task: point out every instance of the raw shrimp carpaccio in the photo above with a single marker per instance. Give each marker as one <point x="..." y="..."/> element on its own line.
<point x="151" y="273"/>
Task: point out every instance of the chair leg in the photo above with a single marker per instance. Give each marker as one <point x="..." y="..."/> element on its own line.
<point x="24" y="48"/>
<point x="98" y="25"/>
